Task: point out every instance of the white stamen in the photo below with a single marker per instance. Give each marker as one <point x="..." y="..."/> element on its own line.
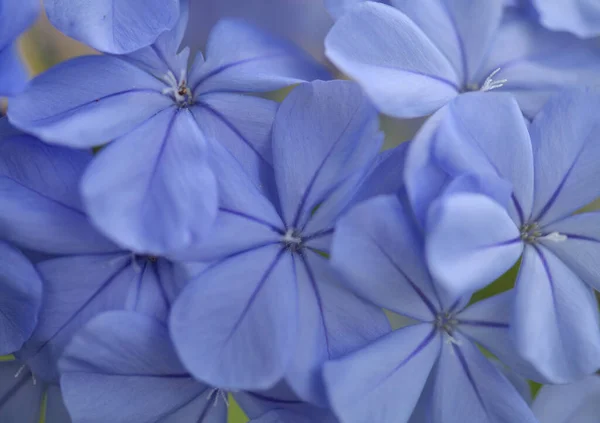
<point x="215" y="393"/>
<point x="20" y="371"/>
<point x="290" y="237"/>
<point x="490" y="84"/>
<point x="555" y="237"/>
<point x="33" y="379"/>
<point x="177" y="88"/>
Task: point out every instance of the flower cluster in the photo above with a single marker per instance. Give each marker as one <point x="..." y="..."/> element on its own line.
<point x="173" y="240"/>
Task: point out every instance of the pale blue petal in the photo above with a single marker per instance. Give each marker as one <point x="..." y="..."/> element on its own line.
<point x="581" y="249"/>
<point x="21" y="299"/>
<point x="152" y="190"/>
<point x="13" y="74"/>
<point x="398" y="66"/>
<point x="337" y="8"/>
<point x="325" y="133"/>
<point x="75" y="290"/>
<point x="285" y="416"/>
<point x="242" y="58"/>
<point x="41" y="209"/>
<point x="573" y="403"/>
<point x="471" y="241"/>
<point x="555" y="318"/>
<point x="469" y="388"/>
<point x="113" y="27"/>
<point x="378" y="250"/>
<point x="15" y="18"/>
<point x="537" y="63"/>
<point x="566" y="143"/>
<point x="370" y="385"/>
<point x="126" y="358"/>
<point x="88" y="101"/>
<point x="333" y="322"/>
<point x="245" y="304"/>
<point x="580" y="17"/>
<point x="461" y="29"/>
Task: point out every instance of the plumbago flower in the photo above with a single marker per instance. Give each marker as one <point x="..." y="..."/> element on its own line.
<point x="574" y="403"/>
<point x="414" y="57"/>
<point x="41" y="211"/>
<point x="151" y="189"/>
<point x="113" y="26"/>
<point x="26" y="399"/>
<point x="125" y="358"/>
<point x="269" y="306"/>
<point x="15" y="18"/>
<point x="545" y="172"/>
<point x="21" y="298"/>
<point x="580" y="17"/>
<point x="435" y="362"/>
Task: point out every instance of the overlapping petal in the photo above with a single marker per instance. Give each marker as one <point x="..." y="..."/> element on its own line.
<point x="158" y="173"/>
<point x="576" y="402"/>
<point x="111" y="26"/>
<point x="21" y="299"/>
<point x="580" y="17"/>
<point x="126" y="358"/>
<point x="20" y="398"/>
<point x="376" y="44"/>
<point x="245" y="303"/>
<point x="13" y="75"/>
<point x="371" y="384"/>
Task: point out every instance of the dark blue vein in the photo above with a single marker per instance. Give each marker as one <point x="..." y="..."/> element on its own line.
<point x="463" y="363"/>
<point x="315" y="176"/>
<point x="96" y="293"/>
<point x="461" y="44"/>
<point x="138" y="285"/>
<point x="271" y="399"/>
<point x="161" y="288"/>
<point x="319" y="234"/>
<point x="232" y="128"/>
<point x="415" y="288"/>
<point x="223" y="68"/>
<point x="255" y="293"/>
<point x="313" y="282"/>
<point x="97" y="100"/>
<point x="253" y="219"/>
<point x="483" y="323"/>
<point x="580" y="237"/>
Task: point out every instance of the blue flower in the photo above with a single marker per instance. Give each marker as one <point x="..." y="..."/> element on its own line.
<point x="151" y="189"/>
<point x="26" y="399"/>
<point x="432" y="367"/>
<point x="286" y="416"/>
<point x="126" y="358"/>
<point x="15" y="18"/>
<point x="573" y="403"/>
<point x="113" y="26"/>
<point x="580" y="17"/>
<point x="270" y="306"/>
<point x="86" y="273"/>
<point x="413" y="58"/>
<point x="21" y="299"/>
<point x="534" y="177"/>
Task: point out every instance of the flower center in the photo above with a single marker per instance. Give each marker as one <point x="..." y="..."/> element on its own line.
<point x="489" y="84"/>
<point x="531" y="233"/>
<point x="292" y="240"/>
<point x="445" y="322"/>
<point x="178" y="89"/>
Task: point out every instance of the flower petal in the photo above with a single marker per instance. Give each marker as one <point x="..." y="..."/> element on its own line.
<point x="40" y="208"/>
<point x="556" y="318"/>
<point x="461" y="29"/>
<point x="242" y="58"/>
<point x="468" y="387"/>
<point x="538" y="63"/>
<point x="581" y="248"/>
<point x="113" y="27"/>
<point x="242" y="124"/>
<point x="15" y="18"/>
<point x="580" y="17"/>
<point x="576" y="402"/>
<point x="20" y="398"/>
<point x="13" y="74"/>
<point x="378" y="250"/>
<point x="55" y="406"/>
<point x="337" y="8"/>
<point x="21" y="299"/>
<point x="370" y="384"/>
<point x="471" y="241"/>
<point x="75" y="290"/>
<point x="377" y="46"/>
<point x="245" y="304"/>
<point x="284" y="416"/>
<point x="566" y="140"/>
<point x="65" y="104"/>
<point x="126" y="358"/>
<point x="333" y="322"/>
<point x="159" y="194"/>
<point x="340" y="139"/>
